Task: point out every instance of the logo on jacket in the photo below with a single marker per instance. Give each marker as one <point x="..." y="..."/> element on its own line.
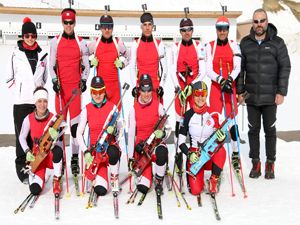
<point x="43" y="64"/>
<point x="267" y="47"/>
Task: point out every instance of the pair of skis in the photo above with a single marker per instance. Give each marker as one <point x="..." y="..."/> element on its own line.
<point x="32" y="199"/>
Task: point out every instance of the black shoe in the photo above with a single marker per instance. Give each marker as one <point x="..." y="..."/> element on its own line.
<point x="235" y="161"/>
<point x="159" y="184"/>
<point x="75" y="164"/>
<point x="269" y="169"/>
<point x="256" y="169"/>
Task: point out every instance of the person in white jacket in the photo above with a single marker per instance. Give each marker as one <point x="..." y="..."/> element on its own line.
<point x="188" y="59"/>
<point x="27" y="70"/>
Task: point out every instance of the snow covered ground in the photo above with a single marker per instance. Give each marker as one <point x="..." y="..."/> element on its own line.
<point x="273" y="202"/>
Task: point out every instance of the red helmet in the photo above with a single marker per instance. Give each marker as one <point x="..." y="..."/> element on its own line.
<point x="222" y="21"/>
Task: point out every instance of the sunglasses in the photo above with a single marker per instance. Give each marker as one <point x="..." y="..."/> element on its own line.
<point x="107" y="26"/>
<point x="198" y="93"/>
<point x="259" y="21"/>
<point x="222" y="28"/>
<point x="33" y="36"/>
<point x="186" y="29"/>
<point x="97" y="91"/>
<point x="70" y="22"/>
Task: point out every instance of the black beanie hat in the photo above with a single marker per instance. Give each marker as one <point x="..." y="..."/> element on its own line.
<point x="28" y="27"/>
<point x="145" y="83"/>
<point x="106" y="19"/>
<point x="97" y="82"/>
<point x="186" y="22"/>
<point x="147" y="17"/>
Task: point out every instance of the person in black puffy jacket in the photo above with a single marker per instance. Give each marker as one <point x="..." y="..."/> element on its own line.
<point x="264" y="76"/>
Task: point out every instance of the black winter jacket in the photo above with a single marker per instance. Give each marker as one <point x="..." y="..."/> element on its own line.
<point x="265" y="68"/>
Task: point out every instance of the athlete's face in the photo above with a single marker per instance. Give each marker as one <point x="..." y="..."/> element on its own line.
<point x="186" y="33"/>
<point x="29" y="39"/>
<point x="41" y="106"/>
<point x="146" y="96"/>
<point x="199" y="100"/>
<point x="106" y="32"/>
<point x="222" y="32"/>
<point x="260" y="23"/>
<point x="147" y="28"/>
<point x="69" y="26"/>
<point x="98" y="98"/>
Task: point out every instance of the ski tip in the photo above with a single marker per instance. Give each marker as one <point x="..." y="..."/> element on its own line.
<point x="245" y="196"/>
<point x="233" y="195"/>
<point x="82" y="194"/>
<point x="189" y="208"/>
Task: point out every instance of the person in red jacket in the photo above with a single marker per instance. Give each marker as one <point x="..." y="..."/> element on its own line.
<point x="223" y="66"/>
<point x="142" y="119"/>
<point x="69" y="69"/>
<point x="110" y="56"/>
<point x="148" y="56"/>
<point x="199" y="123"/>
<point x="95" y="114"/>
<point x="35" y="124"/>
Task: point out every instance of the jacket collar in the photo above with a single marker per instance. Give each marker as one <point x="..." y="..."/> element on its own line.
<point x="147" y="39"/>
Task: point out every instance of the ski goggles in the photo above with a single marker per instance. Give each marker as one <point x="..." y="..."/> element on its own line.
<point x="33" y="36"/>
<point x="198" y="93"/>
<point x="186" y="29"/>
<point x="222" y="28"/>
<point x="108" y="26"/>
<point x="70" y="22"/>
<point x="97" y="91"/>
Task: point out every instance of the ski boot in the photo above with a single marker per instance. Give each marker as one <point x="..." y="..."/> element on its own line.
<point x="56" y="185"/>
<point x="159" y="184"/>
<point x="256" y="169"/>
<point x="235" y="161"/>
<point x="114" y="182"/>
<point x="75" y="164"/>
<point x="213" y="184"/>
<point x="269" y="170"/>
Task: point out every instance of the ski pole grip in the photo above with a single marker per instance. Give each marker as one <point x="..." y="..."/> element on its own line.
<point x="126" y="86"/>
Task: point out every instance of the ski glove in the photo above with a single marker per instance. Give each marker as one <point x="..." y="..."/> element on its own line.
<point x="226" y="85"/>
<point x="159" y="134"/>
<point x="82" y="85"/>
<point x="56" y="86"/>
<point x="139" y="148"/>
<point x="118" y="63"/>
<point x="160" y="91"/>
<point x="29" y="156"/>
<point x="220" y="135"/>
<point x="193" y="157"/>
<point x="94" y="61"/>
<point x="88" y="158"/>
<point x="110" y="129"/>
<point x="130" y="164"/>
<point x="53" y="133"/>
<point x="134" y="92"/>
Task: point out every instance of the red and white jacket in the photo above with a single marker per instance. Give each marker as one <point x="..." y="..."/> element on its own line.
<point x="228" y="55"/>
<point x="146" y="57"/>
<point x="68" y="53"/>
<point x="192" y="54"/>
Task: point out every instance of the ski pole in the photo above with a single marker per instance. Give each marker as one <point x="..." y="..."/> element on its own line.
<point x="237" y="137"/>
<point x="125" y="135"/>
<point x="227" y="134"/>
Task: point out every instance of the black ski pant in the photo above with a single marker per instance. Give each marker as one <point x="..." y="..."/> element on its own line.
<point x="268" y="115"/>
<point x="20" y="112"/>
